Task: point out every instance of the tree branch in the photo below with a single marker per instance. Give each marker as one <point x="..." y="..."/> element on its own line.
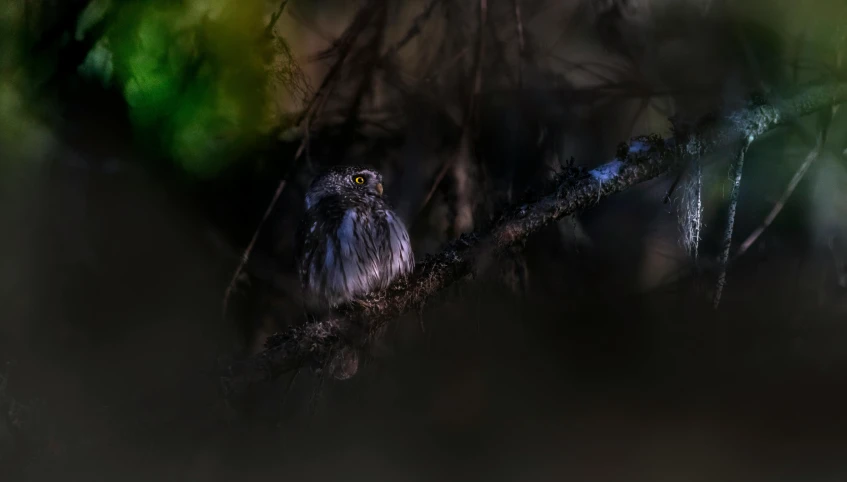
<point x="811" y="157"/>
<point x="414" y="30"/>
<point x="469" y="111"/>
<point x="738" y="167"/>
<point x="275" y="17"/>
<point x="643" y="159"/>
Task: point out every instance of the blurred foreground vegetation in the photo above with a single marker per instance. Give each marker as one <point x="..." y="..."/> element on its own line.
<point x="201" y="78"/>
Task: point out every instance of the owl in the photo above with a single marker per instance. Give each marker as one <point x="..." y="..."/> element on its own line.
<point x="350" y="241"/>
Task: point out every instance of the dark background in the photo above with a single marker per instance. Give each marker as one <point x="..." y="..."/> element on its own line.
<point x="594" y="356"/>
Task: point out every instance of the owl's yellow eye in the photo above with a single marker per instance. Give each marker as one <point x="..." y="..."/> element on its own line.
<point x="359" y="180"/>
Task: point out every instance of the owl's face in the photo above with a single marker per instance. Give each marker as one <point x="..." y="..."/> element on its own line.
<point x="354" y="181"/>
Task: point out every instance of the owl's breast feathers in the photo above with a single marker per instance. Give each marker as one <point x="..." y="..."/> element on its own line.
<point x="349" y="249"/>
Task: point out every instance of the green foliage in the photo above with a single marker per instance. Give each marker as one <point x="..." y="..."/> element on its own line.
<point x="196" y="74"/>
<point x="22" y="133"/>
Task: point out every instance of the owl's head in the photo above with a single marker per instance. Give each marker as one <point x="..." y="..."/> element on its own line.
<point x="341" y="180"/>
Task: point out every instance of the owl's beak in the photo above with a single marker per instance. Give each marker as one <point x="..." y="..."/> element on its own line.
<point x="379" y="189"/>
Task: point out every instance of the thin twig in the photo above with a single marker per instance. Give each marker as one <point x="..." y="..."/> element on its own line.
<point x="446" y="65"/>
<point x="519" y="27"/>
<point x="477" y="84"/>
<point x="344" y="45"/>
<point x="370" y="65"/>
<point x="730" y="218"/>
<point x="387" y="59"/>
<point x="521" y="43"/>
<point x="289" y="386"/>
<point x="313" y="27"/>
<point x="477" y="81"/>
<point x="500" y="54"/>
<point x="811" y="157"/>
<point x="414" y="30"/>
<point x="275" y="16"/>
<point x="246" y="256"/>
<point x="671" y="189"/>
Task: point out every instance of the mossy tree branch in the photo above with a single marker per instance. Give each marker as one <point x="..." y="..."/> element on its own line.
<point x="643" y="159"/>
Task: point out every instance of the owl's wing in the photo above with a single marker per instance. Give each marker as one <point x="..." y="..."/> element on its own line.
<point x="303" y="246"/>
<point x="305" y="242"/>
<point x="400" y="256"/>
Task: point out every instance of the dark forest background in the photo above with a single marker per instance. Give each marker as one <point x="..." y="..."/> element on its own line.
<point x="142" y="141"/>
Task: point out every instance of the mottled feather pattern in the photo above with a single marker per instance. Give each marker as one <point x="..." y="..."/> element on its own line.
<point x="351" y="242"/>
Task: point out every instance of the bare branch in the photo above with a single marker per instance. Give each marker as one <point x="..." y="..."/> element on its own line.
<point x="275" y="17"/>
<point x="643" y="159"/>
<point x="469" y="111"/>
<point x="521" y="42"/>
<point x="811" y="157"/>
<point x="519" y="26"/>
<point x="246" y="255"/>
<point x="414" y="30"/>
<point x="738" y="167"/>
<point x="344" y="45"/>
